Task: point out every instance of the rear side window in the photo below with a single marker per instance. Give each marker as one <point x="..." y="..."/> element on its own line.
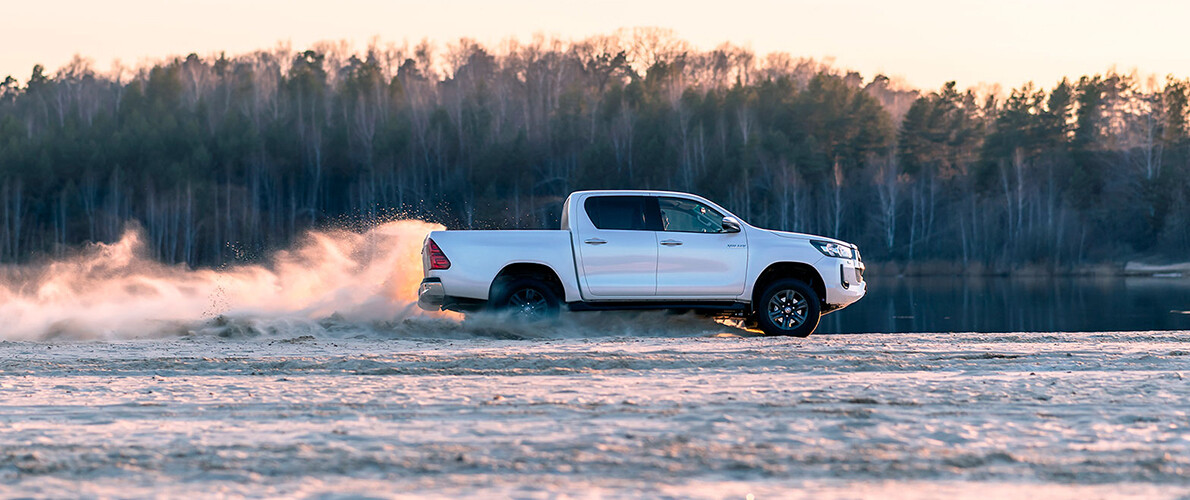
<point x="631" y="213"/>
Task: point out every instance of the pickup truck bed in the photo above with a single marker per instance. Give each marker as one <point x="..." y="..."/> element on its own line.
<point x="472" y="277"/>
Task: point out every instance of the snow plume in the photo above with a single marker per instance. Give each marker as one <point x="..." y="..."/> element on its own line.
<point x="115" y="291"/>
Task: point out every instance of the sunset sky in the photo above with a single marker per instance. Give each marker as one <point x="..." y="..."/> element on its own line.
<point x="926" y="42"/>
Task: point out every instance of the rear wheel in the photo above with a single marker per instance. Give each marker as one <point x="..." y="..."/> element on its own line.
<point x="788" y="307"/>
<point x="527" y="299"/>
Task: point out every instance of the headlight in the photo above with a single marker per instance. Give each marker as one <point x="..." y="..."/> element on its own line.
<point x="833" y="249"/>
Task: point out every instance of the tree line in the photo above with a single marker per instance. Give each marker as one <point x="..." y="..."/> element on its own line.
<point x="215" y="156"/>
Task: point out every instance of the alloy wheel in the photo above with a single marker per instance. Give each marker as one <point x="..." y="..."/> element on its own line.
<point x="787" y="309"/>
<point x="527" y="303"/>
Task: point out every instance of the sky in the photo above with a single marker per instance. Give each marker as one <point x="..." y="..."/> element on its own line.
<point x="923" y="42"/>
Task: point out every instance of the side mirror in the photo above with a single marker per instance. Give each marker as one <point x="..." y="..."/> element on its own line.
<point x="731" y="225"/>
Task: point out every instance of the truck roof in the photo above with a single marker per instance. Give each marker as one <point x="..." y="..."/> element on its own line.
<point x="634" y="191"/>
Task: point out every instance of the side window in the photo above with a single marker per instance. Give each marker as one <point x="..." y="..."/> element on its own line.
<point x="689" y="216"/>
<point x="621" y="212"/>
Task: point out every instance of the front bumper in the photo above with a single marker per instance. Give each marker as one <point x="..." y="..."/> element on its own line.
<point x="844" y="281"/>
<point x="430" y="295"/>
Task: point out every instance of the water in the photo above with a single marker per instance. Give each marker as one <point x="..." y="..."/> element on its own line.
<point x="1042" y="304"/>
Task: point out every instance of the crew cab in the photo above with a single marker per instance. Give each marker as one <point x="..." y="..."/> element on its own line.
<point x="644" y="250"/>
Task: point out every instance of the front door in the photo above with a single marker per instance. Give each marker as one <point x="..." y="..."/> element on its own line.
<point x="695" y="257"/>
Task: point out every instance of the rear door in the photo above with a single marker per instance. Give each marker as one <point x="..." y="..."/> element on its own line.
<point x="617" y="245"/>
<point x="696" y="258"/>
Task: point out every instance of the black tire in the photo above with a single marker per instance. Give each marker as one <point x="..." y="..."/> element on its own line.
<point x="526" y="299"/>
<point x="788" y="307"/>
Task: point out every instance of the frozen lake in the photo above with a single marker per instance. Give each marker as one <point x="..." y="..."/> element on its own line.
<point x="426" y="408"/>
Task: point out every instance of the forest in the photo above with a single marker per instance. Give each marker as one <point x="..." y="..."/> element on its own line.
<point x="216" y="157"/>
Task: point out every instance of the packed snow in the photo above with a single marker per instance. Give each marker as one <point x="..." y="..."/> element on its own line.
<point x="468" y="410"/>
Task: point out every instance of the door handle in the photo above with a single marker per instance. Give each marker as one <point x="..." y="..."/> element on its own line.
<point x="671" y="243"/>
<point x="595" y="241"/>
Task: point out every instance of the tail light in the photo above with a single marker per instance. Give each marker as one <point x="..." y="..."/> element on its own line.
<point x="438" y="259"/>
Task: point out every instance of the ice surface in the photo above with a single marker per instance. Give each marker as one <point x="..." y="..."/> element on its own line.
<point x="428" y="407"/>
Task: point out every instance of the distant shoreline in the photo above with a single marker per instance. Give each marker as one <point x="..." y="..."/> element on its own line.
<point x="1101" y="270"/>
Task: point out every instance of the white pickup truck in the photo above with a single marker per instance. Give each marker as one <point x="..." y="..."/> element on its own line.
<point x="645" y="250"/>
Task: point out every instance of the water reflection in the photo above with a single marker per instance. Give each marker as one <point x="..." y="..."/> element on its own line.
<point x="954" y="304"/>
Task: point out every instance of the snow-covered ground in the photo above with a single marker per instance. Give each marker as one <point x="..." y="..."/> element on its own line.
<point x="679" y="408"/>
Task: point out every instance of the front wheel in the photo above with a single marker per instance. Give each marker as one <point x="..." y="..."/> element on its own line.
<point x="788" y="307"/>
<point x="527" y="299"/>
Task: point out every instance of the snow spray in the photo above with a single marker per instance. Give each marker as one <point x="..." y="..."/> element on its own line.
<point x="115" y="291"/>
